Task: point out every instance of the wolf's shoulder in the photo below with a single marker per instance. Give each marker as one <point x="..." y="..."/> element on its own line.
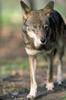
<point x="57" y="16"/>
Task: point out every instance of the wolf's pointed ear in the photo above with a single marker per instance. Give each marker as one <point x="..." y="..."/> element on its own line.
<point x="49" y="8"/>
<point x="25" y="7"/>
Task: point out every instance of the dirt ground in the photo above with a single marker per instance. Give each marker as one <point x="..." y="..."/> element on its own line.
<point x="17" y="87"/>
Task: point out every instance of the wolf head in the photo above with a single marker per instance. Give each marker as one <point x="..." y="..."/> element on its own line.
<point x="37" y="25"/>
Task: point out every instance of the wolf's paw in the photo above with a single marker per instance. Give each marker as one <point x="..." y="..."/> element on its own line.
<point x="59" y="82"/>
<point x="32" y="93"/>
<point x="30" y="96"/>
<point x="50" y="86"/>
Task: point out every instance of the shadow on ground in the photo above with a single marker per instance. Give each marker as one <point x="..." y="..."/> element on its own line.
<point x="12" y="88"/>
<point x="41" y="95"/>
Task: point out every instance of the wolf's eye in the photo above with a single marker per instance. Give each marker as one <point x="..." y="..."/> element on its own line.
<point x="46" y="27"/>
<point x="28" y="28"/>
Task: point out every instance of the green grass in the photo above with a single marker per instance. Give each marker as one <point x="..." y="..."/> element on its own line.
<point x="64" y="98"/>
<point x="7" y="66"/>
<point x="21" y="63"/>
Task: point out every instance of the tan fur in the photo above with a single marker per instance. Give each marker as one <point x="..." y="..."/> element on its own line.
<point x="44" y="32"/>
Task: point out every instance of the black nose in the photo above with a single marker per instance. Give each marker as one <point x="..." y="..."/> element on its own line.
<point x="43" y="40"/>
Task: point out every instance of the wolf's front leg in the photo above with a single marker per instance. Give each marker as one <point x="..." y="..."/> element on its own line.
<point x="60" y="71"/>
<point x="50" y="84"/>
<point x="60" y="63"/>
<point x="33" y="87"/>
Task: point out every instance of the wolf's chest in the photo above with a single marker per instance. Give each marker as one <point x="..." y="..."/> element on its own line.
<point x="34" y="51"/>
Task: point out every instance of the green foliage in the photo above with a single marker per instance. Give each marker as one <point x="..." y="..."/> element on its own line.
<point x="61" y="9"/>
<point x="12" y="8"/>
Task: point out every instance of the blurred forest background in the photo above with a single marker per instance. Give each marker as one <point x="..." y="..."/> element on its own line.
<point x="12" y="53"/>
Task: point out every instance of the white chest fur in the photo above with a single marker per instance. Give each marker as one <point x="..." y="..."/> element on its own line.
<point x="32" y="51"/>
